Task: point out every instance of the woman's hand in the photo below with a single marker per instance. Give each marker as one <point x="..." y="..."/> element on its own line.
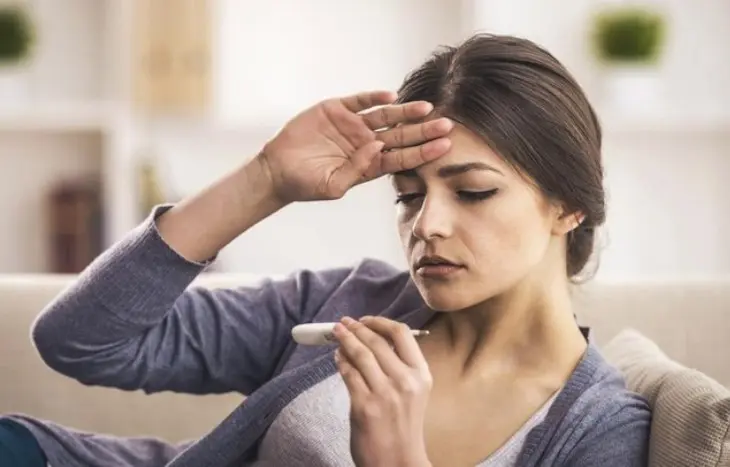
<point x="341" y="142"/>
<point x="389" y="384"/>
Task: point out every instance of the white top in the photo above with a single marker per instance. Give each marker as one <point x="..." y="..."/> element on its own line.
<point x="314" y="431"/>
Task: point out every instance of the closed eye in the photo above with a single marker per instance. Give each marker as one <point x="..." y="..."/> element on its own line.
<point x="467" y="196"/>
<point x="407" y="198"/>
<point x="473" y="196"/>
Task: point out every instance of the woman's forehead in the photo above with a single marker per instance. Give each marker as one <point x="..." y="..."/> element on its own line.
<point x="468" y="152"/>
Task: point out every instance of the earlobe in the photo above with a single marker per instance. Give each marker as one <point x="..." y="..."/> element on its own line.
<point x="568" y="221"/>
<point x="577" y="220"/>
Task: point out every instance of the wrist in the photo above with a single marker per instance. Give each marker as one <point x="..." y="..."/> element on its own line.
<point x="416" y="458"/>
<point x="420" y="462"/>
<point x="260" y="167"/>
<point x="255" y="191"/>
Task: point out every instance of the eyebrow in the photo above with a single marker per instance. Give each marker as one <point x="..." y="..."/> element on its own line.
<point x="452" y="170"/>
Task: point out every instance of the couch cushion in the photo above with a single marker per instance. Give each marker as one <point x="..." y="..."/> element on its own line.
<point x="691" y="412"/>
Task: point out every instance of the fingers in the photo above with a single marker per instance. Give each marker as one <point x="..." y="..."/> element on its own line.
<point x="394" y="114"/>
<point x="400" y="335"/>
<point x="357" y="171"/>
<point x="361" y="358"/>
<point x="353" y="379"/>
<point x="412" y="135"/>
<point x="387" y="358"/>
<point x="397" y="160"/>
<point x="369" y="365"/>
<point x="365" y="100"/>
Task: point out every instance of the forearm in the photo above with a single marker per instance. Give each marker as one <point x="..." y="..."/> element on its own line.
<point x="199" y="227"/>
<point x="123" y="298"/>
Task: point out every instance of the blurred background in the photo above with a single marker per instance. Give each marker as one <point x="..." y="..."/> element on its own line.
<point x="108" y="107"/>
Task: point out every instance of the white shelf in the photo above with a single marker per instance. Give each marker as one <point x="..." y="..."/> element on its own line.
<point x="56" y="117"/>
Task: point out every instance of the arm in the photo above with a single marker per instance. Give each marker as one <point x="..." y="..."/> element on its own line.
<point x="618" y="440"/>
<point x="131" y="321"/>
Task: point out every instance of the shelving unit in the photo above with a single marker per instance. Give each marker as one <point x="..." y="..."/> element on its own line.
<point x="58" y="118"/>
<point x="69" y="127"/>
<point x="83" y="116"/>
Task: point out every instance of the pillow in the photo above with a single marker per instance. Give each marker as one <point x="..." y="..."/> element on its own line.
<point x="691" y="411"/>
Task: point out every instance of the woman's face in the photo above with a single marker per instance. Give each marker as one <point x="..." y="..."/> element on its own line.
<point x="471" y="209"/>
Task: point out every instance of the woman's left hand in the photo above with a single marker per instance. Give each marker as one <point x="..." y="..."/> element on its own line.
<point x="389" y="384"/>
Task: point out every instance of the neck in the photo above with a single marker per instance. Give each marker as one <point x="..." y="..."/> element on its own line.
<point x="529" y="329"/>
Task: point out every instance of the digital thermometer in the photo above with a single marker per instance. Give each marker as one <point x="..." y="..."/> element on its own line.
<point x="323" y="333"/>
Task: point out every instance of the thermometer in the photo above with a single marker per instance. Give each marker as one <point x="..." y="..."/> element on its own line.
<point x="323" y="333"/>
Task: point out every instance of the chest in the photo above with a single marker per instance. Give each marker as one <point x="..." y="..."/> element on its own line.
<point x="314" y="429"/>
<point x="471" y="419"/>
<point x="470" y="429"/>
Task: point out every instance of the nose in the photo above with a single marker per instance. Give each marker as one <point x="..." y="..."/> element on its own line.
<point x="433" y="220"/>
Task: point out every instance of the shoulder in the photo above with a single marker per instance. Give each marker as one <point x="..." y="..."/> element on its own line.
<point x="605" y="386"/>
<point x="607" y="424"/>
<point x="378" y="269"/>
<point x="369" y="286"/>
<point x="369" y="273"/>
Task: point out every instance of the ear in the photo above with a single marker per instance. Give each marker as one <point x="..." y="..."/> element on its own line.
<point x="566" y="222"/>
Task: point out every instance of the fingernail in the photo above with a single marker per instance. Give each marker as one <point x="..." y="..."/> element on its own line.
<point x="347" y="320"/>
<point x="339" y="329"/>
<point x="447" y="122"/>
<point x="379" y="145"/>
<point x="365" y="318"/>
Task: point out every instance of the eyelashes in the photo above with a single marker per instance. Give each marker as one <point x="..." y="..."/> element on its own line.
<point x="476" y="195"/>
<point x="407" y="198"/>
<point x="465" y="196"/>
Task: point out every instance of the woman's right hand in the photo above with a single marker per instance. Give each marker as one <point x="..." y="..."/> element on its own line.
<point x="339" y="143"/>
<point x="318" y="155"/>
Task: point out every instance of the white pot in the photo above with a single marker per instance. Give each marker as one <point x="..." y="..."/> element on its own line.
<point x="635" y="89"/>
<point x="14" y="85"/>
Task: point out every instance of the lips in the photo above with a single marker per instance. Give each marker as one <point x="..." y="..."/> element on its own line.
<point x="433" y="260"/>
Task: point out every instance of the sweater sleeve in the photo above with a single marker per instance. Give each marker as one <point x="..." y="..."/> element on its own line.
<point x="133" y="321"/>
<point x="620" y="439"/>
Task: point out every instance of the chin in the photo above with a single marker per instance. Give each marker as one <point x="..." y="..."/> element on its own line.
<point x="450" y="296"/>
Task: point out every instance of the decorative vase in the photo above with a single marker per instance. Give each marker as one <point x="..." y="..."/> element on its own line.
<point x="633" y="89"/>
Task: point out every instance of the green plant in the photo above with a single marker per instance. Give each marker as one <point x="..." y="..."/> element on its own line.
<point x="629" y="34"/>
<point x="16" y="34"/>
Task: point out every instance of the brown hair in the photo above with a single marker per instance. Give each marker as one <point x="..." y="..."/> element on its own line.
<point x="531" y="111"/>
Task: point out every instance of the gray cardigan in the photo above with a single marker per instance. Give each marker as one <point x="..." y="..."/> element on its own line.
<point x="133" y="321"/>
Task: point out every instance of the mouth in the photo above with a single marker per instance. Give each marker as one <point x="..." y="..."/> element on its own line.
<point x="433" y="266"/>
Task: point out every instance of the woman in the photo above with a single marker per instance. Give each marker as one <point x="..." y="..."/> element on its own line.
<point x="494" y="156"/>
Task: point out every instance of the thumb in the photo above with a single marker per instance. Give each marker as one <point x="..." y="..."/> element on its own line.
<point x="354" y="171"/>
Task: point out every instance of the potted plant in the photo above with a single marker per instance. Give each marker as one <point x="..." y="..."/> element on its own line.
<point x="16" y="44"/>
<point x="629" y="42"/>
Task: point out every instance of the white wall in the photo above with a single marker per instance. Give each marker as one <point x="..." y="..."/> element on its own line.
<point x="274" y="60"/>
<point x="669" y="206"/>
<point x="669" y="202"/>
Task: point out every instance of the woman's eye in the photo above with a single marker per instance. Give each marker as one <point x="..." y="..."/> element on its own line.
<point x="407" y="198"/>
<point x="476" y="195"/>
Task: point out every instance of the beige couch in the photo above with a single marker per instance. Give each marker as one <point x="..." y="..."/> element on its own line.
<point x="690" y="322"/>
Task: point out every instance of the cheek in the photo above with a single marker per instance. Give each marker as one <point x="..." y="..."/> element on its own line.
<point x="405" y="227"/>
<point x="511" y="238"/>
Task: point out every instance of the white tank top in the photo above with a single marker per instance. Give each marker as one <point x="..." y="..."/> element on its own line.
<point x="313" y="430"/>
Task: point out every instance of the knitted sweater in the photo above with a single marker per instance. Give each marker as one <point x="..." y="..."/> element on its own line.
<point x="133" y="321"/>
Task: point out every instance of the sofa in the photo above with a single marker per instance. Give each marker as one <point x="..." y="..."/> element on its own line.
<point x="670" y="339"/>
